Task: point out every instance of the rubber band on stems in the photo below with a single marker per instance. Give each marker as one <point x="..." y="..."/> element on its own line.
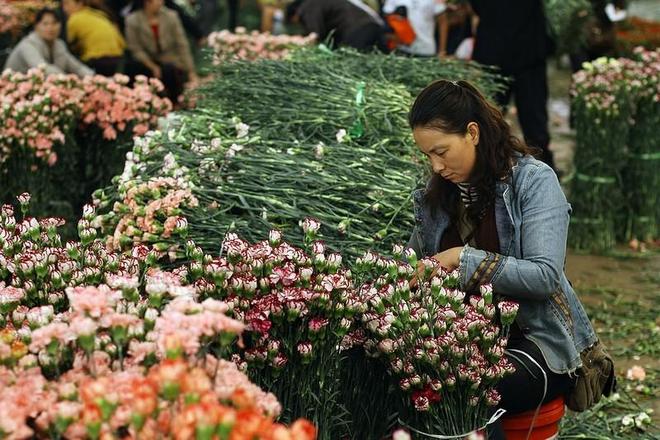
<point x="494" y="418"/>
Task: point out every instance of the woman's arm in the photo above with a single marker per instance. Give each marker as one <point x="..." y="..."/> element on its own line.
<point x="32" y="56"/>
<point x="443" y="28"/>
<point x="543" y="233"/>
<point x="73" y="64"/>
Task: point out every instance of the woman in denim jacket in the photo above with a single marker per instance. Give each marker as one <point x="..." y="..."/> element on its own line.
<point x="499" y="216"/>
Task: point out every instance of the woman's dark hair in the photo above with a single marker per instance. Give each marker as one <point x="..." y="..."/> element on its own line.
<point x="137" y="5"/>
<point x="292" y="10"/>
<point x="100" y="5"/>
<point x="46" y="11"/>
<point x="450" y="106"/>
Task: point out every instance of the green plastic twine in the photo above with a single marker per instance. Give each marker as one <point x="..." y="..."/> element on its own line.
<point x="595" y="179"/>
<point x="357" y="130"/>
<point x="647" y="156"/>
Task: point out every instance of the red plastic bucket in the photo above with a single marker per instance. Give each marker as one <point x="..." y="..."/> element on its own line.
<point x="546" y="425"/>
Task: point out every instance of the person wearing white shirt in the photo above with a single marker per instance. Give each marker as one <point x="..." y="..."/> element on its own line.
<point x="423" y="16"/>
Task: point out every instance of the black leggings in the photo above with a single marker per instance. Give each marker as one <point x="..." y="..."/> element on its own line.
<point x="173" y="78"/>
<point x="522" y="391"/>
<point x="106" y="66"/>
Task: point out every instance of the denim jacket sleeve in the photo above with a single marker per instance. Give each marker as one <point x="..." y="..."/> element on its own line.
<point x="542" y="227"/>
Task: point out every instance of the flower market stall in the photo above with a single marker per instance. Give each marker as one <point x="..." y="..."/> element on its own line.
<point x="237" y="271"/>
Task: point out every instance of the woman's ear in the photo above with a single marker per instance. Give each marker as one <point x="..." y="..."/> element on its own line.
<point x="473" y="133"/>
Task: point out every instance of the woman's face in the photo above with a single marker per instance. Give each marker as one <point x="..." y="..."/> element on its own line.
<point x="152" y="6"/>
<point x="452" y="156"/>
<point x="48" y="28"/>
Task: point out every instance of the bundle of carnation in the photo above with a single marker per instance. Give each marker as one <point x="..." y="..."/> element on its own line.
<point x="63" y="136"/>
<point x="112" y="106"/>
<point x="568" y="22"/>
<point x="297" y="305"/>
<point x="635" y="32"/>
<point x="241" y="45"/>
<point x="443" y="347"/>
<point x="239" y="180"/>
<point x="39" y="109"/>
<point x="615" y="106"/>
<point x="640" y="175"/>
<point x="172" y="399"/>
<point x="150" y="213"/>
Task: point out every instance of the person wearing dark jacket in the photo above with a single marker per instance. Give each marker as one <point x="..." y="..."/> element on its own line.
<point x="346" y="22"/>
<point x="511" y="35"/>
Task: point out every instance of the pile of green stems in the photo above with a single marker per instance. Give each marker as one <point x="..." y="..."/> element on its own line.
<point x="413" y="73"/>
<point x="361" y="195"/>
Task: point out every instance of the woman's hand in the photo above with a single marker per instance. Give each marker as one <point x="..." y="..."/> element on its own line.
<point x="449" y="259"/>
<point x="156" y="71"/>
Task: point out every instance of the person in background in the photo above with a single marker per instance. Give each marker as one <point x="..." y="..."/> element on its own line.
<point x="456" y="31"/>
<point x="94" y="37"/>
<point x="159" y="47"/>
<point x="43" y="47"/>
<point x="511" y="34"/>
<point x="347" y="22"/>
<point x="122" y="8"/>
<point x="271" y="12"/>
<point x="232" y="14"/>
<point x="190" y="24"/>
<point x="600" y="40"/>
<point x="423" y="15"/>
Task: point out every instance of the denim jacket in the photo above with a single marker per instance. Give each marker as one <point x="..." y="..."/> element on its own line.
<point x="532" y="216"/>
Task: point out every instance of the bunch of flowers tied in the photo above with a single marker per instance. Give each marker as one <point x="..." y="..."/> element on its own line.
<point x="254" y="45"/>
<point x="150" y="212"/>
<point x="445" y="349"/>
<point x="38" y="110"/>
<point x="129" y="351"/>
<point x="297" y="307"/>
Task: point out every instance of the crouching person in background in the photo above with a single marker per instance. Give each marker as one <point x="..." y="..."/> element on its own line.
<point x="43" y="48"/>
<point x="158" y="47"/>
